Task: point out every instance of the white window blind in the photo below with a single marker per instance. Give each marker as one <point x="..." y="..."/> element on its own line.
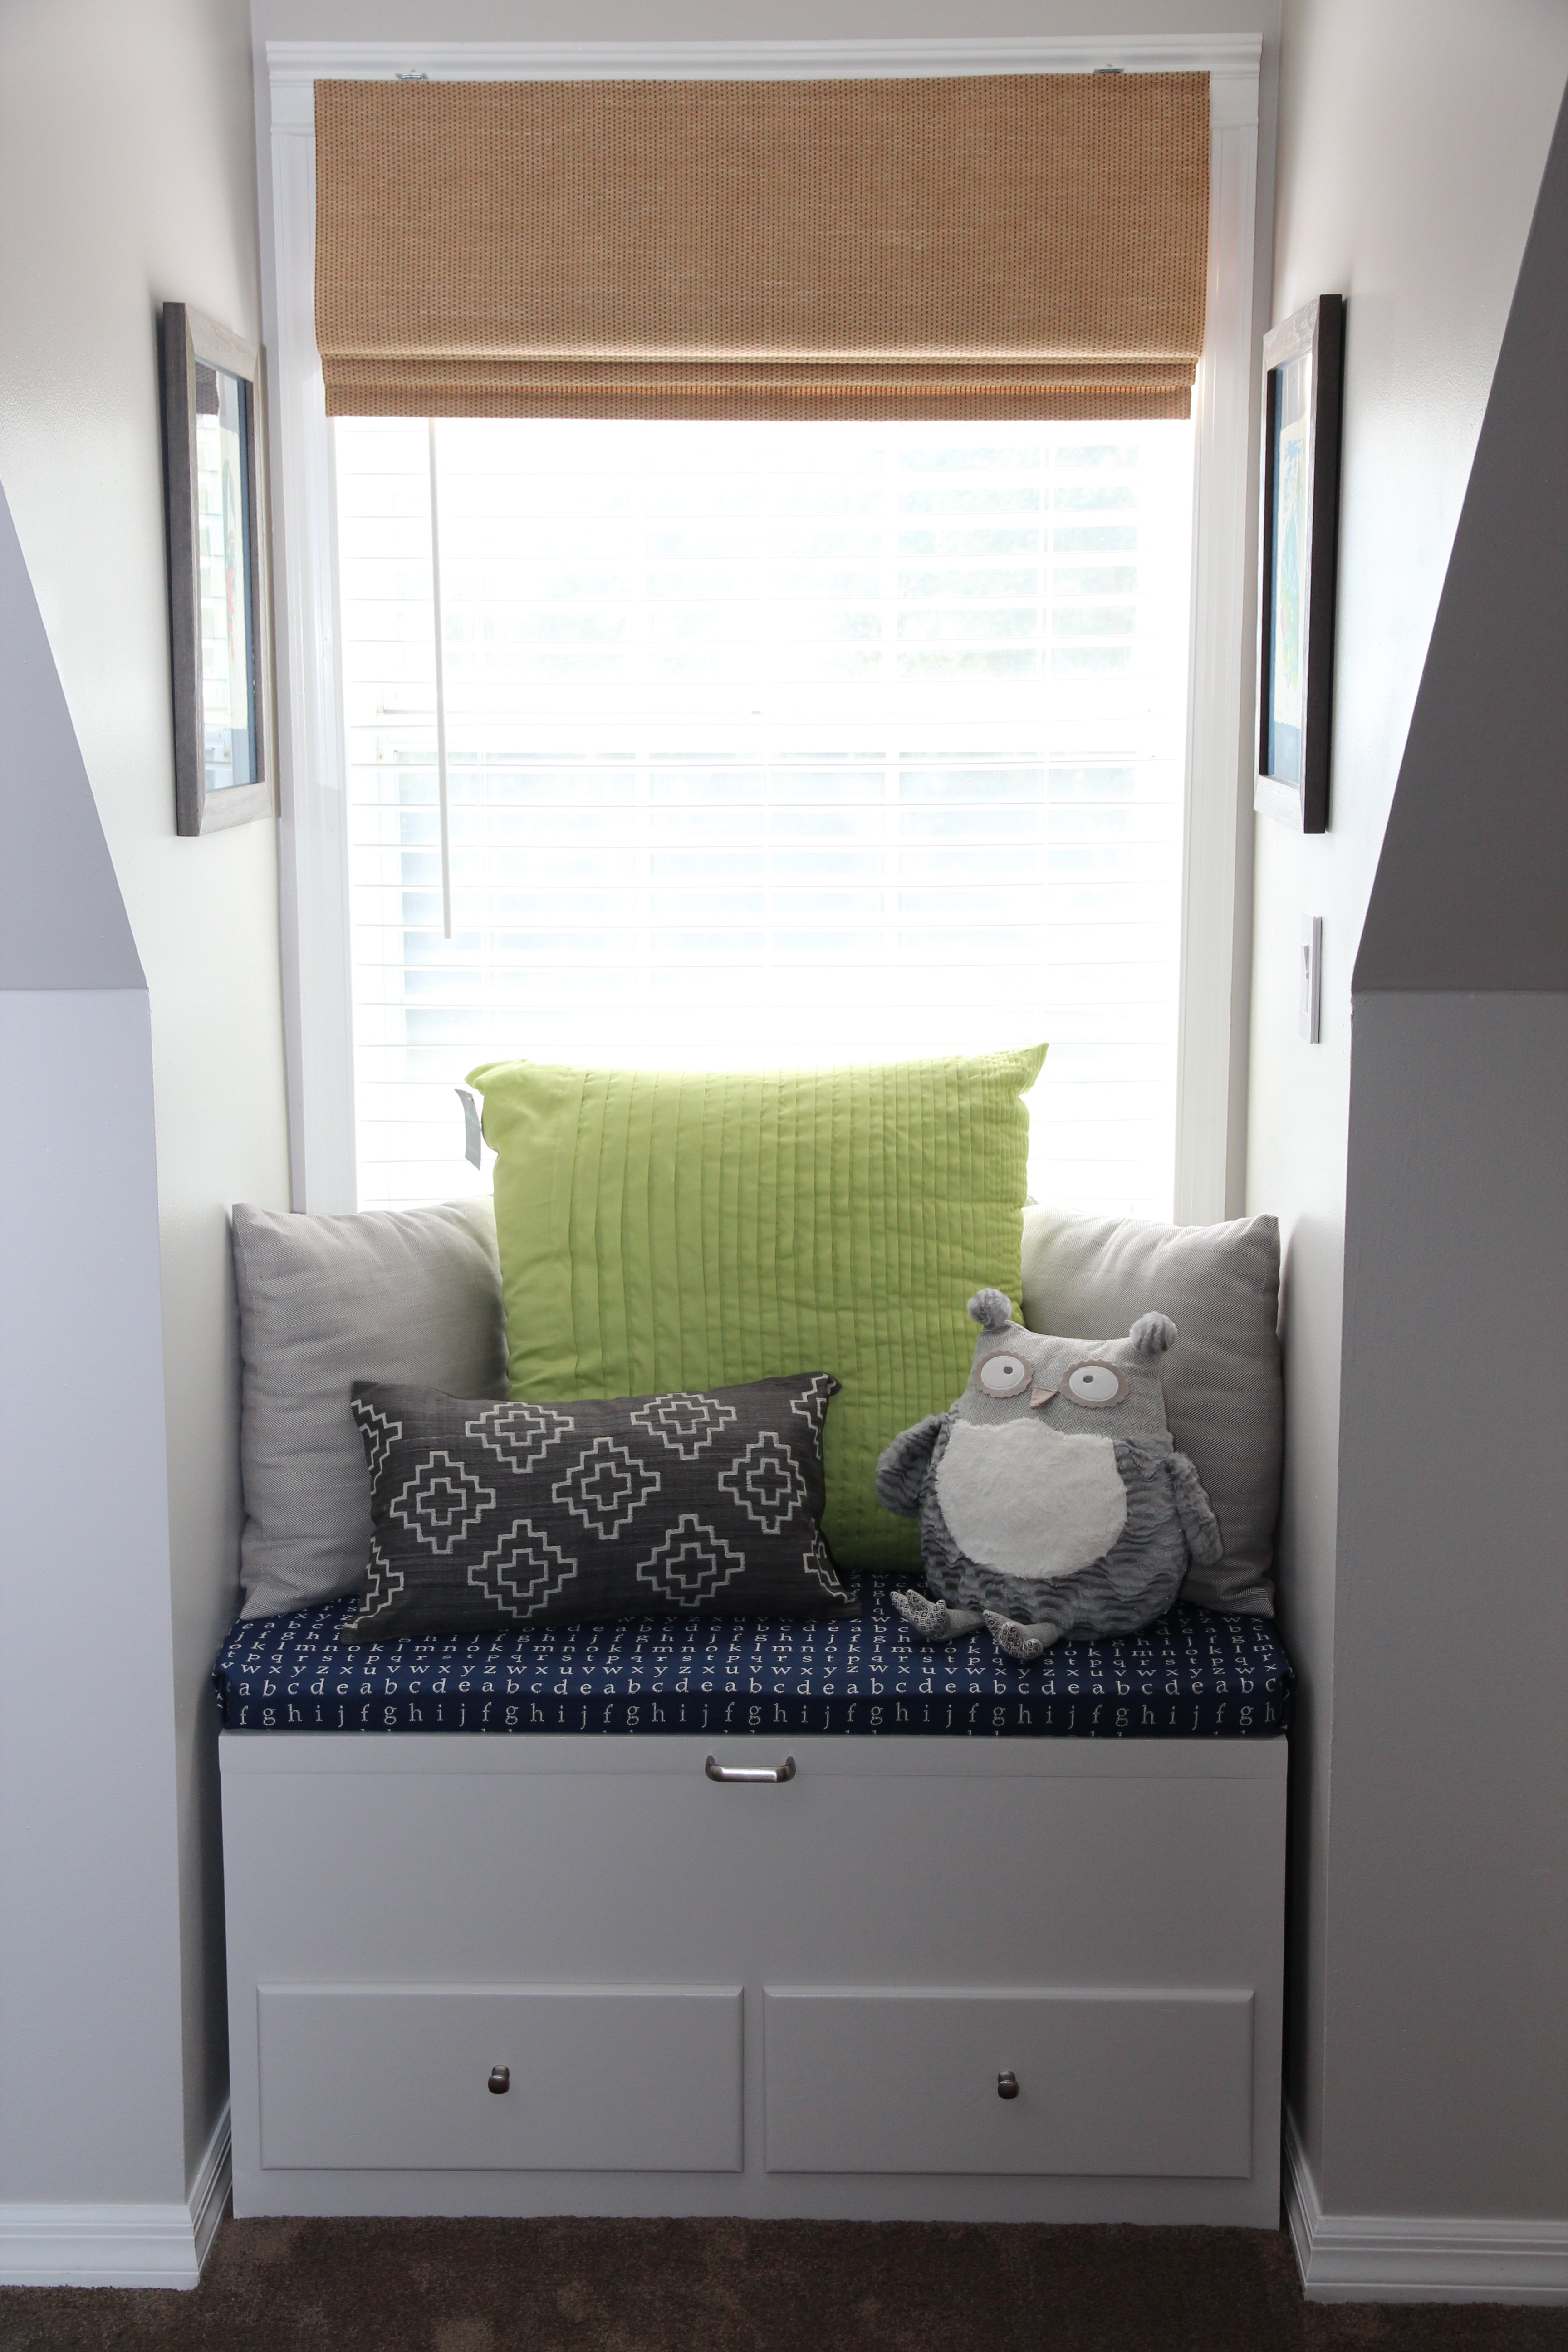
<point x="769" y="743"/>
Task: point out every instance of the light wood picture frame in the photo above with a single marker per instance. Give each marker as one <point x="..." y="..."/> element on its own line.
<point x="1303" y="378"/>
<point x="220" y="599"/>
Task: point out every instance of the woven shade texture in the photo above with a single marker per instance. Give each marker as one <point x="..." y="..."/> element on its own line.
<point x="1019" y="244"/>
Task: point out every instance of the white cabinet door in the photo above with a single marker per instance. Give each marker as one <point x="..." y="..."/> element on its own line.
<point x="598" y="2079"/>
<point x="1107" y="2083"/>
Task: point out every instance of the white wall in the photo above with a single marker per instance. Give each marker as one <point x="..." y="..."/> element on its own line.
<point x="127" y="176"/>
<point x="1412" y="138"/>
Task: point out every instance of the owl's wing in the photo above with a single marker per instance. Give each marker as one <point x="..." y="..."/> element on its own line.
<point x="901" y="1469"/>
<point x="1199" y="1525"/>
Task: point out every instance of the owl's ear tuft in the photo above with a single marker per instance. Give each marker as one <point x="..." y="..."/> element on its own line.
<point x="1152" y="1334"/>
<point x="992" y="1309"/>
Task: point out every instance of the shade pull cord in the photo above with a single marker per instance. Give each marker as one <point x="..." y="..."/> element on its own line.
<point x="440" y="688"/>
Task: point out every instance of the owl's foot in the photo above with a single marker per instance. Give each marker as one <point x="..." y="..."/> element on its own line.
<point x="1021" y="1641"/>
<point x="934" y="1621"/>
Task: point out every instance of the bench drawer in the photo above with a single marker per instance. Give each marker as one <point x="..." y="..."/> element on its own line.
<point x="1122" y="2083"/>
<point x="601" y="2078"/>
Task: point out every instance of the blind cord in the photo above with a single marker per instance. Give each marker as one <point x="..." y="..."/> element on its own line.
<point x="440" y="691"/>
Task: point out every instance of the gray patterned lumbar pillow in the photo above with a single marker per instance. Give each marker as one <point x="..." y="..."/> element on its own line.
<point x="486" y="1516"/>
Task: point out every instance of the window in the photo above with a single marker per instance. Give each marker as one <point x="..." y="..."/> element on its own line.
<point x="1106" y="773"/>
<point x="766" y="743"/>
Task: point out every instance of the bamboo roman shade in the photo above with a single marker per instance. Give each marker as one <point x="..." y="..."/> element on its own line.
<point x="1025" y="245"/>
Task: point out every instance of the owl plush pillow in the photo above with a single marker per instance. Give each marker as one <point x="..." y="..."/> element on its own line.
<point x="1051" y="1499"/>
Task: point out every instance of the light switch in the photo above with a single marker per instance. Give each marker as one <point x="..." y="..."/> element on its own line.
<point x="1312" y="1005"/>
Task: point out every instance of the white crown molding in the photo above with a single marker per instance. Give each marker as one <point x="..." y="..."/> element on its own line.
<point x="1417" y="2258"/>
<point x="119" y="2245"/>
<point x="1231" y="61"/>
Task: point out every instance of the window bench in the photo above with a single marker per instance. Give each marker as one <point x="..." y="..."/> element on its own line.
<point x="1018" y="1959"/>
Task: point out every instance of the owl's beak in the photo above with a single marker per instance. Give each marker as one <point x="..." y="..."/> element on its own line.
<point x="1041" y="1396"/>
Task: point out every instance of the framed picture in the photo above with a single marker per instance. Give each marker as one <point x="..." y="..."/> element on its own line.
<point x="220" y="605"/>
<point x="1303" y="375"/>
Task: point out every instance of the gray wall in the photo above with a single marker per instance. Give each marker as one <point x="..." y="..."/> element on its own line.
<point x="1443" y="2055"/>
<point x="127" y="175"/>
<point x="1412" y="138"/>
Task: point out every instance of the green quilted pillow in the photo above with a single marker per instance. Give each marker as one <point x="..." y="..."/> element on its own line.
<point x="664" y="1230"/>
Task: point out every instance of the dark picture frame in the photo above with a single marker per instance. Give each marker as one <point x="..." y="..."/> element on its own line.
<point x="220" y="599"/>
<point x="1303" y="385"/>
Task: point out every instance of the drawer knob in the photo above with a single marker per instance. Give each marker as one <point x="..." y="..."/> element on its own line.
<point x="1007" y="2085"/>
<point x="500" y="2079"/>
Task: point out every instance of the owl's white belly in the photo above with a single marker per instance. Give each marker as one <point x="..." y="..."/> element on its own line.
<point x="1024" y="1499"/>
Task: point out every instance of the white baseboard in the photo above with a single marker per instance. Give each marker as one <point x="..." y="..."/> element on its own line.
<point x="1417" y="2258"/>
<point x="119" y="2245"/>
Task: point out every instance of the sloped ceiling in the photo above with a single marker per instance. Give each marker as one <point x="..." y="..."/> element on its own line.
<point x="62" y="920"/>
<point x="1472" y="890"/>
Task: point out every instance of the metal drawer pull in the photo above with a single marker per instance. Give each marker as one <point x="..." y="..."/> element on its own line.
<point x="500" y="2079"/>
<point x="1007" y="2085"/>
<point x="772" y="1772"/>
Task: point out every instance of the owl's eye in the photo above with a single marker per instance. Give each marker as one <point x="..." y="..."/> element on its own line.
<point x="1095" y="1384"/>
<point x="1004" y="1375"/>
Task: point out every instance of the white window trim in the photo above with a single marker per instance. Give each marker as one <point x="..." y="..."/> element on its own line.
<point x="313" y="840"/>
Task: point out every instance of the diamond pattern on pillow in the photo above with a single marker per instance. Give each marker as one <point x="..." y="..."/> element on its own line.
<point x="690" y="1565"/>
<point x="441" y="1501"/>
<point x="377" y="1433"/>
<point x="519" y="1435"/>
<point x="685" y="1423"/>
<point x="605" y="1487"/>
<point x="523" y="1572"/>
<point x="766" y="1482"/>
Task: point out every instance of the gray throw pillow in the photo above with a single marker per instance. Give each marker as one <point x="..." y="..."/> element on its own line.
<point x="1223" y="1392"/>
<point x="390" y="1294"/>
<point x="488" y="1517"/>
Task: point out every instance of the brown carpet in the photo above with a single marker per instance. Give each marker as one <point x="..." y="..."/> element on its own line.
<point x="747" y="2286"/>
